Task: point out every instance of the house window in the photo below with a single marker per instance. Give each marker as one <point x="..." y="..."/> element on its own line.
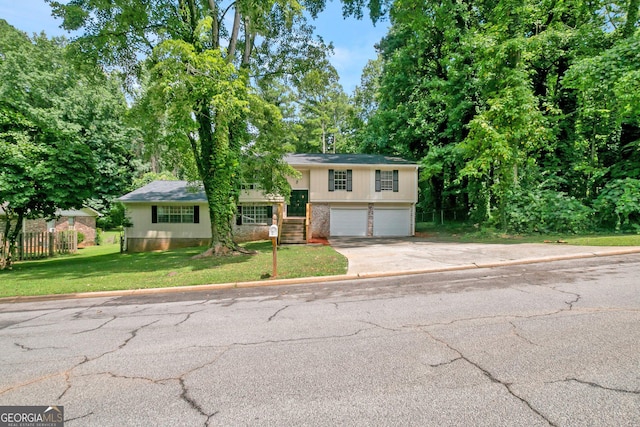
<point x="71" y="221"/>
<point x="254" y="214"/>
<point x="387" y="180"/>
<point x="175" y="214"/>
<point x="340" y="180"/>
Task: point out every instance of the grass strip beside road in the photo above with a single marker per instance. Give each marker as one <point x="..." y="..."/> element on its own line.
<point x="465" y="233"/>
<point x="103" y="268"/>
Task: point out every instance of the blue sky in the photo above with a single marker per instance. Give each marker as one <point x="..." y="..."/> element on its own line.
<point x="353" y="40"/>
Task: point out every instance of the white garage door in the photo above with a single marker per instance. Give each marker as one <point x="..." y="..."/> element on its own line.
<point x="392" y="222"/>
<point x="348" y="222"/>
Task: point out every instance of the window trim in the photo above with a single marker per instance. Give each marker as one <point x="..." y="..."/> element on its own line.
<point x="394" y="181"/>
<point x="349" y="180"/>
<point x="157" y="215"/>
<point x="241" y="213"/>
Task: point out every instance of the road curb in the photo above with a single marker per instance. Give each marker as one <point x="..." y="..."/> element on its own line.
<point x="313" y="279"/>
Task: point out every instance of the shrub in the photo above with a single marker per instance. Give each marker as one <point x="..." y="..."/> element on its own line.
<point x="618" y="204"/>
<point x="546" y="211"/>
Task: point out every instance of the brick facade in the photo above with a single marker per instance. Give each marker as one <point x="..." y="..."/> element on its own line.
<point x="82" y="224"/>
<point x="320" y="218"/>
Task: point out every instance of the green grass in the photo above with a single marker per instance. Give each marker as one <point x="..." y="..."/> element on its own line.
<point x="465" y="233"/>
<point x="102" y="268"/>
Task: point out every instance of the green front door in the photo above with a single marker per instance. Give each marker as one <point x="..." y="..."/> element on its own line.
<point x="298" y="203"/>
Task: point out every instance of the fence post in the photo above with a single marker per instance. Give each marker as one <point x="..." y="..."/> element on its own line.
<point x="51" y="243"/>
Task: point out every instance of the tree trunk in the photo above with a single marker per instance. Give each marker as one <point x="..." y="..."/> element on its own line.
<point x="218" y="166"/>
<point x="632" y="17"/>
<point x="11" y="237"/>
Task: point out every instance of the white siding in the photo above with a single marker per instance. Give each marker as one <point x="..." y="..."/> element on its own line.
<point x="140" y="215"/>
<point x="363" y="184"/>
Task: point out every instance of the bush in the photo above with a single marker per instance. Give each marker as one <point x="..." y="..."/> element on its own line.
<point x="80" y="237"/>
<point x="618" y="204"/>
<point x="116" y="217"/>
<point x="98" y="236"/>
<point x="547" y="211"/>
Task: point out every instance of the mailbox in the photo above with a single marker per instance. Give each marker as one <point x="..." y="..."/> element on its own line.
<point x="273" y="231"/>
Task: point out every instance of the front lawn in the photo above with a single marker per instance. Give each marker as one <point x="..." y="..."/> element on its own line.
<point x="102" y="268"/>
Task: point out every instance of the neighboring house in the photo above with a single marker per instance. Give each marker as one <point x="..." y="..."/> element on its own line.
<point x="336" y="195"/>
<point x="82" y="220"/>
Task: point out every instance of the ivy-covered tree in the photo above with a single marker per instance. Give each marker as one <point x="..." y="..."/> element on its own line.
<point x="201" y="57"/>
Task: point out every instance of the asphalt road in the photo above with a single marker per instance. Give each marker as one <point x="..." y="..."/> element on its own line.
<point x="531" y="345"/>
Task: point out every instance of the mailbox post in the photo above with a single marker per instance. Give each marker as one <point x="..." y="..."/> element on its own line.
<point x="273" y="234"/>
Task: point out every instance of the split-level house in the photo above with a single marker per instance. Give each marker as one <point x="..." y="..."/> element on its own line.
<point x="335" y="195"/>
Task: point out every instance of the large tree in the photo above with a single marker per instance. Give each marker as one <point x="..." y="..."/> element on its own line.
<point x="198" y="59"/>
<point x="507" y="100"/>
<point x="62" y="140"/>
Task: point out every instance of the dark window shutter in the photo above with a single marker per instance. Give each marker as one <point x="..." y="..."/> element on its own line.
<point x="154" y="214"/>
<point x="349" y="180"/>
<point x="270" y="214"/>
<point x="378" y="185"/>
<point x="239" y="216"/>
<point x="196" y="214"/>
<point x="395" y="181"/>
<point x="331" y="180"/>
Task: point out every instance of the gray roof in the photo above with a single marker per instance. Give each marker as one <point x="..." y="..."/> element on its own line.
<point x="166" y="191"/>
<point x="345" y="159"/>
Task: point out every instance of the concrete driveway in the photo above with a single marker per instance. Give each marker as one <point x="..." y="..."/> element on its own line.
<point x="380" y="256"/>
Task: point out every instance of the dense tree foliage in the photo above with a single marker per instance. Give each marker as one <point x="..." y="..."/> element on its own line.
<point x="196" y="61"/>
<point x="522" y="113"/>
<point x="62" y="136"/>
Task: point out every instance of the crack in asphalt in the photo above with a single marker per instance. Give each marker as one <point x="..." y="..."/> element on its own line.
<point x="96" y="328"/>
<point x="448" y="362"/>
<point x="184" y="395"/>
<point x="577" y="297"/>
<point x="86" y="359"/>
<point x="133" y="333"/>
<point x="491" y="377"/>
<point x="78" y="314"/>
<point x="276" y="313"/>
<point x="24" y="384"/>
<point x="596" y="385"/>
<point x="11" y="325"/>
<point x="187" y="317"/>
<point x="24" y="347"/>
<point x="79" y="418"/>
<point x="287" y="340"/>
<point x="379" y="326"/>
<point x="514" y="331"/>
